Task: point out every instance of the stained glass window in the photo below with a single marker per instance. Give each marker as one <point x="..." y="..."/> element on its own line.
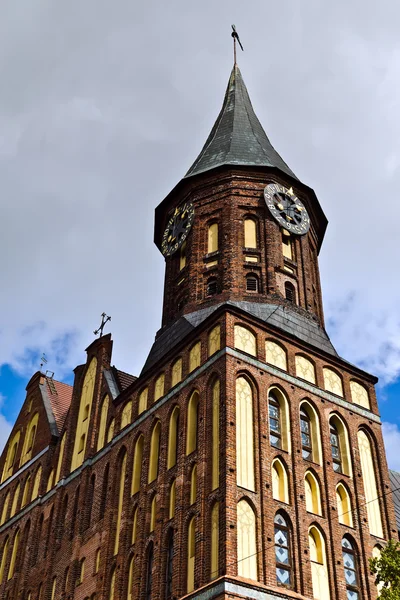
<point x="335" y="447"/>
<point x="350" y="570"/>
<point x="282" y="551"/>
<point x="306" y="440"/>
<point x="275" y="432"/>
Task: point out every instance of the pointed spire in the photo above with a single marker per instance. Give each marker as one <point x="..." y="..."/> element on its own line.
<point x="237" y="137"/>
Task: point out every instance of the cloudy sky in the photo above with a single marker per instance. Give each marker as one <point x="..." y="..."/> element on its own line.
<point x="104" y="105"/>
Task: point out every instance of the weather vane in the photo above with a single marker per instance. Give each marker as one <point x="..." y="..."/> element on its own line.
<point x="236" y="37"/>
<point x="104" y="319"/>
<point x="43" y="360"/>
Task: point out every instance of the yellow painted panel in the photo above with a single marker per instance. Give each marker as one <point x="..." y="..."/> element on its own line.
<point x="159" y="387"/>
<point x="110" y="430"/>
<point x="173" y="438"/>
<point x="313" y="494"/>
<point x="370" y="487"/>
<point x="332" y="382"/>
<point x="60" y="457"/>
<point x="13" y="556"/>
<point x="252" y="259"/>
<point x="215" y="541"/>
<point x="134" y="526"/>
<point x="191" y="434"/>
<point x="130" y="579"/>
<point x="15" y="501"/>
<point x="214" y="340"/>
<point x="215" y="435"/>
<point x="25" y="495"/>
<point x="112" y="586"/>
<point x="36" y="484"/>
<point x="305" y="368"/>
<point x="153" y="514"/>
<point x="212" y="238"/>
<point x="287" y="247"/>
<point x="244" y="435"/>
<point x="275" y="355"/>
<point x="344" y="506"/>
<point x="245" y="340"/>
<point x="137" y="465"/>
<point x="193" y="485"/>
<point x="246" y="541"/>
<point x="195" y="357"/>
<point x="4" y="512"/>
<point x="10" y="462"/>
<point x="97" y="560"/>
<point x="250" y="233"/>
<point x="120" y="503"/>
<point x="29" y="439"/>
<point x="154" y="452"/>
<point x="359" y="394"/>
<point x="54" y="588"/>
<point x="176" y="375"/>
<point x="280" y="489"/>
<point x="172" y="500"/>
<point x="4" y="560"/>
<point x="50" y="481"/>
<point x="143" y="400"/>
<point x="182" y="257"/>
<point x="103" y="423"/>
<point x="191" y="555"/>
<point x="85" y="407"/>
<point x="319" y="571"/>
<point x="126" y="416"/>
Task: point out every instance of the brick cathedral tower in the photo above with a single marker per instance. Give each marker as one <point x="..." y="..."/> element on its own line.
<point x="247" y="458"/>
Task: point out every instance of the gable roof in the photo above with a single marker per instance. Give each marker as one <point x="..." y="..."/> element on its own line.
<point x="59" y="396"/>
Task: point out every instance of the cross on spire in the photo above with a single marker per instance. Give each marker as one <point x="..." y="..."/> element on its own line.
<point x="236" y="38"/>
<point x="104" y="319"/>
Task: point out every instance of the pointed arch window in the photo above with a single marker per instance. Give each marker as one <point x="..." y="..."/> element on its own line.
<point x="192" y="423"/>
<point x="112" y="585"/>
<point x="137" y="465"/>
<point x="82" y="425"/>
<point x="215" y="435"/>
<point x="305" y="368"/>
<point x="15" y="501"/>
<point x="4" y="559"/>
<point x="370" y="487"/>
<point x="142" y="405"/>
<point x="29" y="440"/>
<point x="25" y="494"/>
<point x="212" y="238"/>
<point x="275" y="355"/>
<point x="4" y="511"/>
<point x="170" y="566"/>
<point x="290" y="292"/>
<point x="36" y="484"/>
<point x="350" y="564"/>
<point x="215" y="541"/>
<point x="153" y="514"/>
<point x="344" y="509"/>
<point x="280" y="488"/>
<point x="159" y="387"/>
<point x="333" y="382"/>
<point x="319" y="570"/>
<point x="335" y="448"/>
<point x="134" y="525"/>
<point x="11" y="455"/>
<point x="154" y="452"/>
<point x="214" y="340"/>
<point x="173" y="438"/>
<point x="313" y="494"/>
<point x="282" y="551"/>
<point x="14" y="555"/>
<point x="53" y="588"/>
<point x="172" y="500"/>
<point x="60" y="458"/>
<point x="244" y="435"/>
<point x="275" y="426"/>
<point x="193" y="485"/>
<point x="310" y="433"/>
<point x="126" y="414"/>
<point x="191" y="555"/>
<point x="359" y="395"/>
<point x="121" y="486"/>
<point x="306" y="439"/>
<point x="176" y="373"/>
<point x="340" y="449"/>
<point x="195" y="357"/>
<point x="130" y="578"/>
<point x="246" y="541"/>
<point x="50" y="481"/>
<point x="252" y="283"/>
<point x="250" y="233"/>
<point x="245" y="340"/>
<point x="110" y="431"/>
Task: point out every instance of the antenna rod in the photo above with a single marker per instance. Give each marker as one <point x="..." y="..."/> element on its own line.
<point x="236" y="38"/>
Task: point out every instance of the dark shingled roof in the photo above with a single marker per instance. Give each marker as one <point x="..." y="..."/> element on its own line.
<point x="283" y="318"/>
<point x="237" y="137"/>
<point x="395" y="485"/>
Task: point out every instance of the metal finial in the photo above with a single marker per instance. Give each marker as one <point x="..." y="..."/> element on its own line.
<point x="236" y="37"/>
<point x="104" y="319"/>
<point x="43" y="360"/>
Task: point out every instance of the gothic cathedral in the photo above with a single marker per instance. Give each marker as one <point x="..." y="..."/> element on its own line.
<point x="246" y="460"/>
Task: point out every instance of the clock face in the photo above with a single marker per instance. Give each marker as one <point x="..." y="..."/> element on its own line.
<point x="287" y="209"/>
<point x="177" y="229"/>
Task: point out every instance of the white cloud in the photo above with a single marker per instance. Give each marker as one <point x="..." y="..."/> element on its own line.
<point x="5" y="426"/>
<point x="391" y="436"/>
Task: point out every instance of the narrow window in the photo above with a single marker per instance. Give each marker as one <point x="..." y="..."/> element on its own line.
<point x="214" y="340"/>
<point x="192" y="423"/>
<point x="60" y="458"/>
<point x="335" y="448"/>
<point x="250" y="233"/>
<point x="319" y="570"/>
<point x="36" y="484"/>
<point x="134" y="525"/>
<point x="112" y="586"/>
<point x="275" y="429"/>
<point x="344" y="506"/>
<point x="173" y="438"/>
<point x="53" y="588"/>
<point x="370" y="487"/>
<point x="137" y="465"/>
<point x="313" y="494"/>
<point x="282" y="551"/>
<point x="251" y="283"/>
<point x="4" y="560"/>
<point x="169" y="567"/>
<point x="4" y="512"/>
<point x="195" y="357"/>
<point x="149" y="572"/>
<point x="89" y="502"/>
<point x="25" y="495"/>
<point x="212" y="286"/>
<point x="350" y="569"/>
<point x="153" y="514"/>
<point x="110" y="431"/>
<point x="176" y="372"/>
<point x="246" y="541"/>
<point x="290" y="292"/>
<point x="212" y="245"/>
<point x="154" y="452"/>
<point x="126" y="414"/>
<point x="306" y="439"/>
<point x="50" y="481"/>
<point x="244" y="435"/>
<point x="143" y="400"/>
<point x="191" y="556"/>
<point x="215" y="541"/>
<point x="245" y="340"/>
<point x="159" y="387"/>
<point x="29" y="440"/>
<point x="215" y="435"/>
<point x="172" y="500"/>
<point x="82" y="425"/>
<point x="130" y="578"/>
<point x="287" y="246"/>
<point x="14" y="555"/>
<point x="81" y="571"/>
<point x="193" y="485"/>
<point x="97" y="560"/>
<point x="104" y="492"/>
<point x="121" y="485"/>
<point x="280" y="488"/>
<point x="82" y="443"/>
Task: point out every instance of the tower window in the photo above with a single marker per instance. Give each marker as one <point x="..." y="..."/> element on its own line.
<point x="306" y="443"/>
<point x="282" y="551"/>
<point x="350" y="569"/>
<point x="335" y="447"/>
<point x="275" y="435"/>
<point x="252" y="283"/>
<point x="212" y="242"/>
<point x="287" y="246"/>
<point x="250" y="233"/>
<point x="212" y="287"/>
<point x="290" y="292"/>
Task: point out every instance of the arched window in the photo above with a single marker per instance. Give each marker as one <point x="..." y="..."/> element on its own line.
<point x="251" y="283"/>
<point x="112" y="585"/>
<point x="97" y="560"/>
<point x="36" y="484"/>
<point x="283" y="551"/>
<point x="159" y="387"/>
<point x="350" y="565"/>
<point x="153" y="514"/>
<point x="29" y="439"/>
<point x="195" y="357"/>
<point x="11" y="455"/>
<point x="60" y="458"/>
<point x="4" y="511"/>
<point x="319" y="570"/>
<point x="121" y="485"/>
<point x="134" y="525"/>
<point x="279" y="423"/>
<point x="215" y="435"/>
<point x="4" y="559"/>
<point x="340" y="449"/>
<point x="245" y="340"/>
<point x="110" y="431"/>
<point x="333" y="382"/>
<point x="280" y="488"/>
<point x="154" y="452"/>
<point x="214" y="541"/>
<point x="370" y="487"/>
<point x="310" y="433"/>
<point x="173" y="438"/>
<point x="172" y="500"/>
<point x="214" y="340"/>
<point x="290" y="292"/>
<point x="82" y="425"/>
<point x="142" y="406"/>
<point x="287" y="245"/>
<point x="137" y="465"/>
<point x="359" y="395"/>
<point x="149" y="571"/>
<point x="250" y="233"/>
<point x="176" y="372"/>
<point x="246" y="541"/>
<point x="193" y="485"/>
<point x="212" y="240"/>
<point x="169" y="566"/>
<point x="53" y="588"/>
<point x="50" y="481"/>
<point x="81" y="575"/>
<point x="244" y="435"/>
<point x="305" y="369"/>
<point x="275" y="355"/>
<point x="313" y="494"/>
<point x="212" y="286"/>
<point x="126" y="414"/>
<point x="66" y="580"/>
<point x="191" y="556"/>
<point x="344" y="506"/>
<point x="192" y="423"/>
<point x="25" y="495"/>
<point x="14" y="555"/>
<point x="15" y="501"/>
<point x="130" y="578"/>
